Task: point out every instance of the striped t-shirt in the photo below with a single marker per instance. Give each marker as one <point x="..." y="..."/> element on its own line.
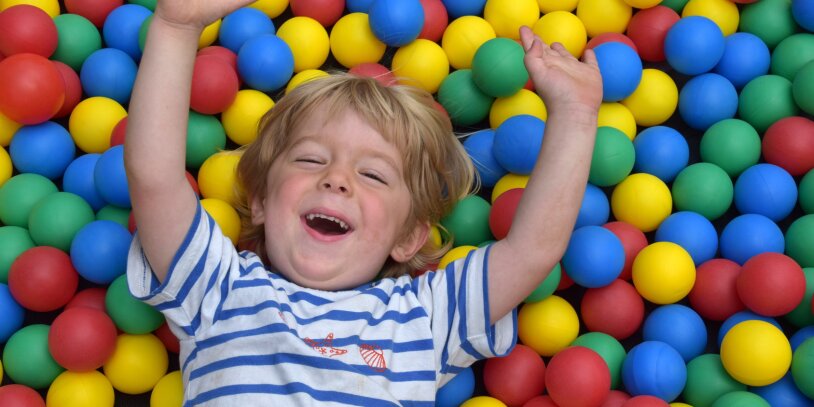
<point x="250" y="337"/>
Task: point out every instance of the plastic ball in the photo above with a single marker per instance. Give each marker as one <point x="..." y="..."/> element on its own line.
<point x="459" y="8"/>
<point x="26" y="359"/>
<point x="782" y="393"/>
<point x="523" y="102"/>
<point x="548" y="326"/>
<point x="468" y="223"/>
<point x="616" y="398"/>
<point x="99" y="251"/>
<point x="463" y="100"/>
<point x="169" y="391"/>
<point x="265" y="62"/>
<point x="694" y="45"/>
<point x="791" y="54"/>
<point x="765" y="100"/>
<point x="594" y="257"/>
<point x="92" y="121"/>
<point x="693" y="232"/>
<point x="803" y="83"/>
<point x="456" y="253"/>
<point x="621" y="70"/>
<point x="600" y="16"/>
<point x="548" y="6"/>
<point x="801" y="365"/>
<point x="224" y="53"/>
<point x="771" y="284"/>
<point x="205" y="136"/>
<point x="661" y="151"/>
<point x="805" y="193"/>
<point x="57" y="218"/>
<point x="308" y="41"/>
<point x="121" y="28"/>
<point x="170" y="341"/>
<point x="327" y="12"/>
<point x="93" y="297"/>
<point x="502" y="213"/>
<point x="731" y="144"/>
<point x="547" y="286"/>
<point x="208" y="35"/>
<point x="497" y="67"/>
<point x="517" y="143"/>
<point x="20" y="194"/>
<point x="129" y="314"/>
<point x="740" y="398"/>
<point x="95" y="11"/>
<point x="756" y="353"/>
<point x="801" y="316"/>
<point x="73" y="89"/>
<point x="707" y="99"/>
<point x="32" y="143"/>
<point x="771" y="20"/>
<point x="663" y="273"/>
<point x="7" y="129"/>
<point x="723" y="12"/>
<point x="648" y="28"/>
<point x="803" y="13"/>
<point x="81" y="339"/>
<point x="654" y="368"/>
<point x="225" y="216"/>
<point x="610" y="37"/>
<point x="241" y="119"/>
<point x="609" y="349"/>
<point x="703" y="188"/>
<point x="353" y="42"/>
<point x="31" y="88"/>
<point x="12" y="315"/>
<point x="748" y="235"/>
<point x="800" y="336"/>
<point x="42" y="279"/>
<point x="616" y="309"/>
<point x="111" y="179"/>
<point x="136" y="353"/>
<point x="799" y="237"/>
<point x="654" y="100"/>
<point x="242" y="25"/>
<point x="678" y="326"/>
<point x="217" y="176"/>
<point x="508" y="182"/>
<point x="422" y="63"/>
<point x="616" y="115"/>
<point x="18" y="395"/>
<point x="27" y="29"/>
<point x="116" y="214"/>
<point x="457" y="390"/>
<point x="633" y="240"/>
<point x="745" y="57"/>
<point x="81" y="389"/>
<point x="563" y="27"/>
<point x="479" y="147"/>
<point x="707" y="380"/>
<point x="16" y="240"/>
<point x="507" y="16"/>
<point x="109" y="72"/>
<point x="6" y="167"/>
<point x="214" y="85"/>
<point x="396" y="23"/>
<point x="376" y="71"/>
<point x="761" y="181"/>
<point x="594" y="209"/>
<point x="645" y="400"/>
<point x="516" y="377"/>
<point x="78" y="179"/>
<point x="641" y="200"/>
<point x="740" y="317"/>
<point x="483" y="401"/>
<point x="577" y="376"/>
<point x="714" y="295"/>
<point x="435" y="20"/>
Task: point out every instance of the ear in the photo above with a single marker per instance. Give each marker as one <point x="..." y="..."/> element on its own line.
<point x="411" y="243"/>
<point x="258" y="212"/>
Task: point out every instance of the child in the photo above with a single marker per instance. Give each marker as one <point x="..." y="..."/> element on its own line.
<point x="342" y="184"/>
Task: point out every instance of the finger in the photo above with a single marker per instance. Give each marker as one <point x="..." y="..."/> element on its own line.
<point x="561" y="50"/>
<point x="526" y="38"/>
<point x="589" y="57"/>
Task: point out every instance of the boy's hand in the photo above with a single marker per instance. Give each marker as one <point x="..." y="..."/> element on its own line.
<point x="195" y="14"/>
<point x="560" y="79"/>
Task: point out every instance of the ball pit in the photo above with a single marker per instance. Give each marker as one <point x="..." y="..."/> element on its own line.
<point x="707" y="99"/>
<point x="78" y="179"/>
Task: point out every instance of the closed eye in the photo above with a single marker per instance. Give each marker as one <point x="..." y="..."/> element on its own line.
<point x="374" y="177"/>
<point x="308" y="160"/>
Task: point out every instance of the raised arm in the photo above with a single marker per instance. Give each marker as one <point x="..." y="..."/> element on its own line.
<point x="545" y="216"/>
<point x="155" y="145"/>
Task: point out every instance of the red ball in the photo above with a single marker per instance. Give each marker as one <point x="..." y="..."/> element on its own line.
<point x="326" y="12"/>
<point x="645" y="401"/>
<point x="168" y="338"/>
<point x="540" y="401"/>
<point x="27" y="29"/>
<point x="193" y="183"/>
<point x="771" y="284"/>
<point x="577" y="377"/>
<point x="214" y="85"/>
<point x="616" y="398"/>
<point x="82" y="339"/>
<point x="633" y="241"/>
<point x="42" y="279"/>
<point x="515" y="378"/>
<point x="225" y="53"/>
<point x="714" y="296"/>
<point x="565" y="281"/>
<point x="17" y="395"/>
<point x="93" y="297"/>
<point x="648" y="28"/>
<point x="609" y="37"/>
<point x="31" y="88"/>
<point x="94" y="10"/>
<point x="502" y="212"/>
<point x="119" y="132"/>
<point x="73" y="89"/>
<point x="789" y="144"/>
<point x="435" y="20"/>
<point x="616" y="309"/>
<point x="376" y="71"/>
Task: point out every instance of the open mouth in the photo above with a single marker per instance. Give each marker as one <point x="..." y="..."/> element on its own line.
<point x="326" y="224"/>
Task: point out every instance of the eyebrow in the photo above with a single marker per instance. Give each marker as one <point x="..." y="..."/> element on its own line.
<point x="367" y="152"/>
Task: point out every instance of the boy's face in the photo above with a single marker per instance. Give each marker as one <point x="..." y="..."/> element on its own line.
<point x="336" y="205"/>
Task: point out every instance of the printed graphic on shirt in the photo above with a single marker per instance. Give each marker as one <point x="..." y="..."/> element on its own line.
<point x="373" y="356"/>
<point x="325" y="346"/>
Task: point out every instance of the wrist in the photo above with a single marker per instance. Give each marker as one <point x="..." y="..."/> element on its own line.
<point x="575" y="113"/>
<point x="175" y="29"/>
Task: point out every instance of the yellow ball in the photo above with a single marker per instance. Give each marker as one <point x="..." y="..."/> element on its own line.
<point x="304" y="76"/>
<point x="563" y="27"/>
<point x="654" y="100"/>
<point x="209" y="34"/>
<point x="421" y="63"/>
<point x="643" y="3"/>
<point x="137" y="364"/>
<point x="308" y="41"/>
<point x="225" y="216"/>
<point x="677" y="404"/>
<point x="643" y="200"/>
<point x="616" y="115"/>
<point x="522" y="102"/>
<point x="5" y="166"/>
<point x="1" y="370"/>
<point x="506" y="16"/>
<point x="454" y="254"/>
<point x="547" y="326"/>
<point x="75" y="389"/>
<point x="92" y="121"/>
<point x="723" y="12"/>
<point x="272" y="8"/>
<point x="241" y="118"/>
<point x="547" y="6"/>
<point x="217" y="177"/>
<point x="353" y="42"/>
<point x="483" y="401"/>
<point x="756" y="353"/>
<point x="507" y="182"/>
<point x="462" y="38"/>
<point x="169" y="391"/>
<point x="663" y="273"/>
<point x="601" y="16"/>
<point x="51" y="7"/>
<point x="7" y="129"/>
<point x="435" y="236"/>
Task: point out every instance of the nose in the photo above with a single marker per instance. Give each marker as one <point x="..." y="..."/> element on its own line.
<point x="335" y="180"/>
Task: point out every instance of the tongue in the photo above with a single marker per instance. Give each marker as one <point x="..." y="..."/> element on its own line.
<point x="325" y="226"/>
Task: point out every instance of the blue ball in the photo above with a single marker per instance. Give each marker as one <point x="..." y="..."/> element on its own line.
<point x="739" y="317"/>
<point x="45" y="149"/>
<point x="99" y="251"/>
<point x="110" y="178"/>
<point x="517" y="143"/>
<point x="242" y="25"/>
<point x="265" y="63"/>
<point x="12" y="314"/>
<point x="109" y="72"/>
<point x="621" y="70"/>
<point x="460" y="8"/>
<point x="748" y="235"/>
<point x="479" y="147"/>
<point x="661" y="151"/>
<point x="654" y="368"/>
<point x="594" y="257"/>
<point x="707" y="99"/>
<point x="692" y="231"/>
<point x="800" y="336"/>
<point x="79" y="180"/>
<point x="803" y="13"/>
<point x="783" y="393"/>
<point x="745" y="57"/>
<point x="678" y="326"/>
<point x="694" y="45"/>
<point x="396" y="22"/>
<point x="122" y="26"/>
<point x="358" y="6"/>
<point x="766" y="189"/>
<point x="457" y="390"/>
<point x="595" y="208"/>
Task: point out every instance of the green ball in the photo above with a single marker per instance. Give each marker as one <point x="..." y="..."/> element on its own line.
<point x="77" y="39"/>
<point x="498" y="69"/>
<point x="703" y="188"/>
<point x="142" y="32"/>
<point x="740" y="398"/>
<point x="765" y="100"/>
<point x="771" y="20"/>
<point x="608" y="348"/>
<point x="129" y="314"/>
<point x="677" y="5"/>
<point x="801" y="316"/>
<point x="465" y="103"/>
<point x="800" y="240"/>
<point x="791" y="54"/>
<point x="205" y="136"/>
<point x="468" y="222"/>
<point x="802" y="88"/>
<point x="150" y="4"/>
<point x="613" y="157"/>
<point x="547" y="286"/>
<point x="26" y="358"/>
<point x="707" y="380"/>
<point x="806" y="192"/>
<point x="731" y="144"/>
<point x="15" y="240"/>
<point x="115" y="214"/>
<point x="57" y="218"/>
<point x="20" y="194"/>
<point x="802" y="367"/>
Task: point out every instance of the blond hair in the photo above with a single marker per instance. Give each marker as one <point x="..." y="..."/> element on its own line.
<point x="437" y="169"/>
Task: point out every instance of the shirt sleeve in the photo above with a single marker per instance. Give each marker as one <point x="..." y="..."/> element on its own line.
<point x="458" y="303"/>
